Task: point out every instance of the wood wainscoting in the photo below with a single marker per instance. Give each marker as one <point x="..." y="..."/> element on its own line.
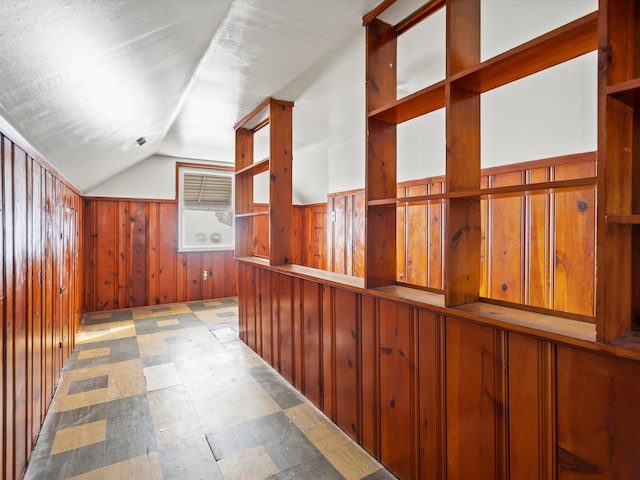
<point x="476" y="392"/>
<point x="308" y="234"/>
<point x="527" y="257"/>
<point x="41" y="275"/>
<point x="132" y="258"/>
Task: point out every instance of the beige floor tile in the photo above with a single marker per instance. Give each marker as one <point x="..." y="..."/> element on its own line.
<point x="212" y="303"/>
<point x="152" y="344"/>
<point x="79" y="436"/>
<point x="164" y="311"/>
<point x="177" y="432"/>
<point x="215" y="414"/>
<point x="94" y="353"/>
<point x="105" y="331"/>
<point x="145" y="467"/>
<point x="127" y="382"/>
<point x="251" y="464"/>
<point x="167" y="323"/>
<point x="209" y="317"/>
<point x="64" y="403"/>
<point x="97" y="474"/>
<point x="326" y="436"/>
<point x="351" y="461"/>
<point x="305" y="417"/>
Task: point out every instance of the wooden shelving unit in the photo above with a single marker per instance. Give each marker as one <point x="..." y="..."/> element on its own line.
<point x="278" y="114"/>
<point x="618" y="242"/>
<point x="459" y="93"/>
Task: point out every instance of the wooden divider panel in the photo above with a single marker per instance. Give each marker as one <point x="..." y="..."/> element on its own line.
<point x="598" y="421"/>
<point x="346" y="365"/>
<point x="473" y="368"/>
<point x="397" y="417"/>
<point x="312" y="343"/>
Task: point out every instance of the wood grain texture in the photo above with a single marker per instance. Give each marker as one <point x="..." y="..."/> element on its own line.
<point x="518" y="243"/>
<point x="437" y="396"/>
<point x="133" y="261"/>
<point x="41" y="295"/>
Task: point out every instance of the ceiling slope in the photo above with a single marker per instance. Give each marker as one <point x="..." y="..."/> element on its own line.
<point x="82" y="81"/>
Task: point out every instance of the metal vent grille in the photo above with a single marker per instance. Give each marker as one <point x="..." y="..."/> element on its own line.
<point x="206" y="191"/>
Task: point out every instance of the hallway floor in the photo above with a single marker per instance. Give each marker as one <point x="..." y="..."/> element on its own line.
<point x="170" y="392"/>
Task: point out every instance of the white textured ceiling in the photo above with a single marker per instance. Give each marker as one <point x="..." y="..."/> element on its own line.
<point x="82" y="80"/>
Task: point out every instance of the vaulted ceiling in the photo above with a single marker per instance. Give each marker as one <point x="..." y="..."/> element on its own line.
<point x="82" y="80"/>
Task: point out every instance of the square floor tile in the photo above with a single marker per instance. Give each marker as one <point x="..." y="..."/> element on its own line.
<point x="169" y="322"/>
<point x="94" y="353"/>
<point x="88" y="384"/>
<point x="161" y="376"/>
<point x="81" y="436"/>
<point x="252" y="464"/>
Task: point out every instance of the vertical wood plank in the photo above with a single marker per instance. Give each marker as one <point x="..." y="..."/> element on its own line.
<point x="106" y="256"/>
<point x="285" y="320"/>
<point x="280" y="175"/>
<point x="417" y="268"/>
<point x="430" y="416"/>
<point x="538" y="226"/>
<point x="472" y="400"/>
<point x="312" y="374"/>
<point x="151" y="252"/>
<point x="462" y="228"/>
<point x="357" y="234"/>
<point x="532" y="384"/>
<point x="369" y="395"/>
<point x="298" y="334"/>
<point x="167" y="257"/>
<point x="340" y="234"/>
<point x="593" y="441"/>
<point x="506" y="242"/>
<point x="328" y="353"/>
<point x="380" y="182"/>
<point x="266" y="325"/>
<point x="36" y="333"/>
<point x="347" y="365"/>
<point x="396" y="402"/>
<point x="401" y="237"/>
<point x="244" y="193"/>
<point x="138" y="277"/>
<point x="576" y="210"/>
<point x="348" y="230"/>
<point x="20" y="324"/>
<point x="435" y="236"/>
<point x="9" y="355"/>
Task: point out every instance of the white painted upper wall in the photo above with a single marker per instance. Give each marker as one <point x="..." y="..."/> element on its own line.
<point x="153" y="178"/>
<point x="551" y="113"/>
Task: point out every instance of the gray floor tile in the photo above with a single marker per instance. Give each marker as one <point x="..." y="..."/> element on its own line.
<point x="315" y="469"/>
<point x="189" y="460"/>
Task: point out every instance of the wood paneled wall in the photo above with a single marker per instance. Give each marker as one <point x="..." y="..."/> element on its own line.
<point x="527" y="256"/>
<point x="308" y="240"/>
<point x="131" y="258"/>
<point x="41" y="282"/>
<point x="435" y="395"/>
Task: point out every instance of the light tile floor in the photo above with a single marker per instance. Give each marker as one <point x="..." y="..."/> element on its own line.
<point x="170" y="392"/>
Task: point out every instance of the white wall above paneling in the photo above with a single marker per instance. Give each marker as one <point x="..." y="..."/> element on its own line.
<point x="152" y="178"/>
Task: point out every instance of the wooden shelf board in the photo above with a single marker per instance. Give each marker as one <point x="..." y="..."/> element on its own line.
<point x="382" y="202"/>
<point x="255" y="168"/>
<point x="251" y="214"/>
<point x="526" y="188"/>
<point x="495" y="191"/>
<point x="630" y="219"/>
<point x="627" y="92"/>
<point x="557" y="46"/>
<point x="419" y="103"/>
